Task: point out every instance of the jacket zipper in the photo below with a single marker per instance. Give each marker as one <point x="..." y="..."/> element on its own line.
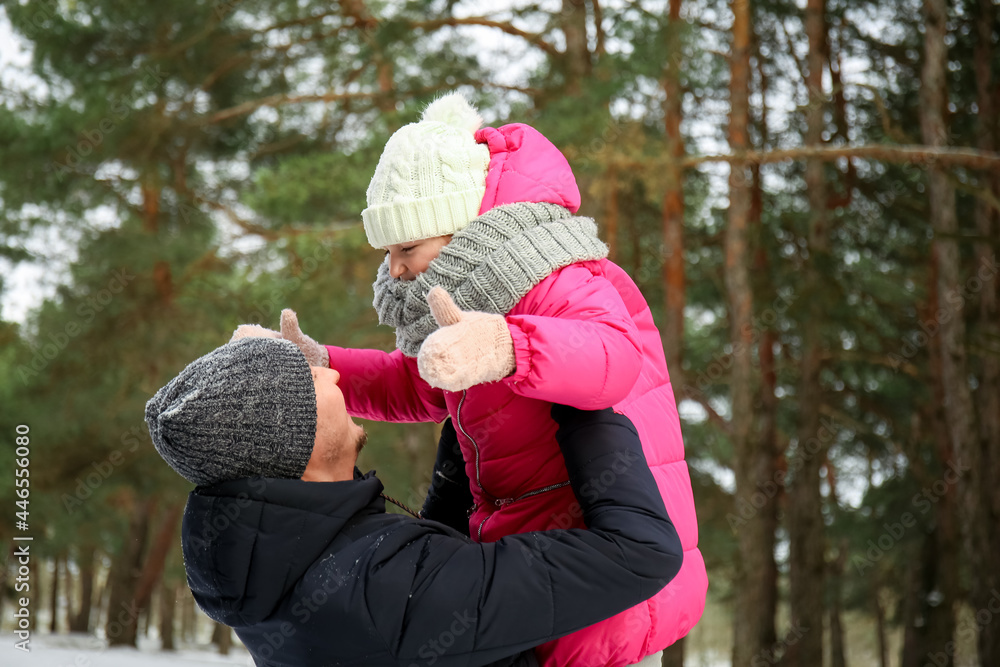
<point x="458" y="419"/>
<point x="551" y="487"/>
<point x="475" y="445"/>
<point x="481" y="524"/>
<point x="503" y="502"/>
<point x="499" y="502"/>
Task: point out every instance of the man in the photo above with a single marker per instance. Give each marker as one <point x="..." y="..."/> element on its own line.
<point x="287" y="542"/>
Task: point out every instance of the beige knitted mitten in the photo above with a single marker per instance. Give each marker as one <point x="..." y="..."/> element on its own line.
<point x="470" y="347"/>
<point x="315" y="353"/>
<point x="253" y="331"/>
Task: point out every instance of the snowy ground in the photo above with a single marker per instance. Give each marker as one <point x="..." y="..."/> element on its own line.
<point x="87" y="651"/>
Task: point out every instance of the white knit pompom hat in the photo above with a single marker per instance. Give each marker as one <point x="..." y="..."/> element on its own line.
<point x="431" y="177"/>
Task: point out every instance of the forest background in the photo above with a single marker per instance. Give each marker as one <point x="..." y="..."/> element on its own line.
<point x="807" y="193"/>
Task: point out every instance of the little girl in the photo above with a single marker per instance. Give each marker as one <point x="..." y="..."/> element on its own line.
<point x="486" y="215"/>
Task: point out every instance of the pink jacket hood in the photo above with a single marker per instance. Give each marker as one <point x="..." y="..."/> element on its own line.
<point x="525" y="166"/>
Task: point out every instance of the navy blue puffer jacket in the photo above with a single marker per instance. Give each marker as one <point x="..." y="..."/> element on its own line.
<point x="315" y="573"/>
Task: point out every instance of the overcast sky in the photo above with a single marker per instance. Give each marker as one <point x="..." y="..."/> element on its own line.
<point x="26" y="286"/>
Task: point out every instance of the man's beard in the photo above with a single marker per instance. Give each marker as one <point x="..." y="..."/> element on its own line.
<point x="361" y="442"/>
<point x="332" y="454"/>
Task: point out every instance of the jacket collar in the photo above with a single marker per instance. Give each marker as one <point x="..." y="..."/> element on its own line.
<point x="333" y="499"/>
<point x="248" y="542"/>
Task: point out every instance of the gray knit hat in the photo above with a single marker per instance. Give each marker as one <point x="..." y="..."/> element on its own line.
<point x="246" y="409"/>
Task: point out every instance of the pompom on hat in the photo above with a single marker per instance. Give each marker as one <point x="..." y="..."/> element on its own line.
<point x="431" y="177"/>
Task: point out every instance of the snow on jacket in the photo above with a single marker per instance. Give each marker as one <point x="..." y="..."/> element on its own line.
<point x="585" y="337"/>
<point x="317" y="574"/>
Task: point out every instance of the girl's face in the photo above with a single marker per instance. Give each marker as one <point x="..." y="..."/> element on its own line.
<point x="407" y="260"/>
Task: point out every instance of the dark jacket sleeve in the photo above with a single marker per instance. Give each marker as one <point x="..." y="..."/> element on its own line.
<point x="453" y="602"/>
<point x="449" y="498"/>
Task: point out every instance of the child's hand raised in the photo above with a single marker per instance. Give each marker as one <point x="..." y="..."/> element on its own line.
<point x="315" y="353"/>
<point x="253" y="331"/>
<point x="470" y="347"/>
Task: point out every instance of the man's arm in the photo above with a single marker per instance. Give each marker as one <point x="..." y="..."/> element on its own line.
<point x="448" y="498"/>
<point x="462" y="603"/>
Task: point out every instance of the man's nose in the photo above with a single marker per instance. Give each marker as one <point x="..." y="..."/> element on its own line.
<point x="336" y="375"/>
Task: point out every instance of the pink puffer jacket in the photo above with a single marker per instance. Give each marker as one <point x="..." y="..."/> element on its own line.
<point x="584" y="337"/>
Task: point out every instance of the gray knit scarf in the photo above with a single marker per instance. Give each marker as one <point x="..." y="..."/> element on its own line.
<point x="489" y="266"/>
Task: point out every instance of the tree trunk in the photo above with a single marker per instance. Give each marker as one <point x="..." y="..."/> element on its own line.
<point x="912" y="620"/>
<point x="673" y="198"/>
<point x="611" y="213"/>
<point x="162" y="273"/>
<point x="875" y="586"/>
<point x="984" y="496"/>
<point x="805" y="527"/>
<point x="69" y="586"/>
<point x="81" y="620"/>
<point x="634" y="234"/>
<point x="753" y="627"/>
<point x="595" y="6"/>
<point x="168" y="605"/>
<point x="737" y="247"/>
<point x="838" y="655"/>
<point x="929" y="628"/>
<point x="766" y="448"/>
<point x="834" y="60"/>
<point x="188" y="615"/>
<point x="222" y="637"/>
<point x="883" y="647"/>
<point x="573" y="21"/>
<point x="367" y="25"/>
<point x="153" y="568"/>
<point x="103" y="597"/>
<point x="936" y="593"/>
<point x="941" y="600"/>
<point x="941" y="195"/>
<point x="958" y="441"/>
<point x="120" y="627"/>
<point x="673" y="655"/>
<point x="54" y="596"/>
